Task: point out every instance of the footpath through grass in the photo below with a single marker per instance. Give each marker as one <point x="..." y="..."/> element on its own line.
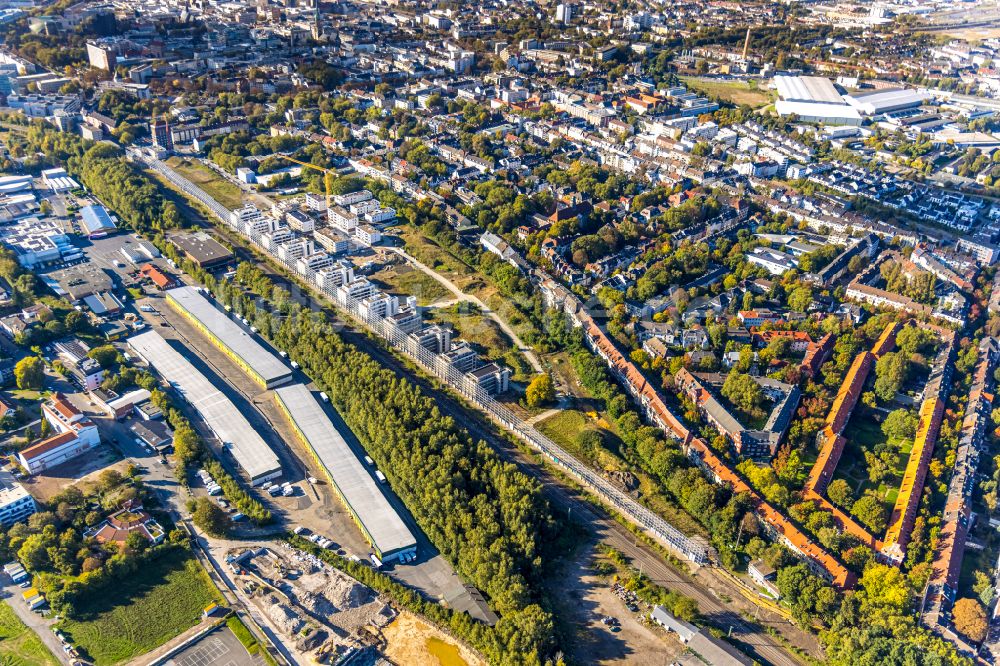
<point x="20" y="645"/>
<point x="143" y="611"/>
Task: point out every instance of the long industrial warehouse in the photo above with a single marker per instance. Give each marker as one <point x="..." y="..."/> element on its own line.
<point x="226" y="421"/>
<point x="266" y="368"/>
<point x="378" y="521"/>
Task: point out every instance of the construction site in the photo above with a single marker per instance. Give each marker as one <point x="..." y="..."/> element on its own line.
<point x="328" y="615"/>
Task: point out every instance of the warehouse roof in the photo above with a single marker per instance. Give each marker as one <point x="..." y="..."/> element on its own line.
<point x="201" y="248"/>
<point x="97" y="220"/>
<point x="387" y="531"/>
<point x="222" y="416"/>
<point x="882" y="101"/>
<point x="832" y="114"/>
<point x="807" y="89"/>
<point x="239" y="341"/>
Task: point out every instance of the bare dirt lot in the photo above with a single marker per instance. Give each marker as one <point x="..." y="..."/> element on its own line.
<point x="81" y="471"/>
<point x="585" y="599"/>
<point x="413" y="642"/>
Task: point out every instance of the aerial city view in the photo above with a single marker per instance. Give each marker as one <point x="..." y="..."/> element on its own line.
<point x="509" y="333"/>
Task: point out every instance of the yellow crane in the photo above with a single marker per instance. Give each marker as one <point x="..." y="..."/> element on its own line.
<point x="326" y="174"/>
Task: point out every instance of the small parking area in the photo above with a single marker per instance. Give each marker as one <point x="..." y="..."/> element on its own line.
<point x="220" y="648"/>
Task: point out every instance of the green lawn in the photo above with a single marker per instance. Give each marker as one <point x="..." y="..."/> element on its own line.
<point x="734" y="92"/>
<point x="143" y="611"/>
<point x="406" y="281"/>
<point x="220" y="189"/>
<point x="478" y="330"/>
<point x="863" y="433"/>
<point x="564" y="428"/>
<point x="20" y="646"/>
<point x="249" y="642"/>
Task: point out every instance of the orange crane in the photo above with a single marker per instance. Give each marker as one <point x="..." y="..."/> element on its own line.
<point x="326" y="173"/>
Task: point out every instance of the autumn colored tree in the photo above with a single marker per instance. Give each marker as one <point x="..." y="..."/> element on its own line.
<point x="540" y="391"/>
<point x="970" y="619"/>
<point x="29" y="373"/>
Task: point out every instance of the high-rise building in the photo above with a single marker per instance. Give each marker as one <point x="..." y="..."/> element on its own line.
<point x="564" y="13"/>
<point x="160" y="129"/>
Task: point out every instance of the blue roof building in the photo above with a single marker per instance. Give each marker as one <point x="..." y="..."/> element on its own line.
<point x="97" y="222"/>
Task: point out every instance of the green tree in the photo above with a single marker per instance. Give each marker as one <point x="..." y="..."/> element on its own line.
<point x="33" y="553"/>
<point x="839" y="492"/>
<point x="29" y="373"/>
<point x="541" y="391"/>
<point x="105" y="355"/>
<point x="890" y="373"/>
<point x="900" y="424"/>
<point x="800" y="299"/>
<point x="744" y="392"/>
<point x="871" y="512"/>
<point x="209" y="517"/>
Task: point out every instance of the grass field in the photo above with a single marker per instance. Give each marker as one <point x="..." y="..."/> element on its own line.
<point x="216" y="186"/>
<point x="734" y="92"/>
<point x="478" y="330"/>
<point x="564" y="428"/>
<point x="444" y="262"/>
<point x="20" y="646"/>
<point x="144" y="610"/>
<point x="407" y="281"/>
<point x="430" y="254"/>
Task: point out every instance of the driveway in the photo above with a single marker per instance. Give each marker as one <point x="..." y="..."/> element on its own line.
<point x="38" y="624"/>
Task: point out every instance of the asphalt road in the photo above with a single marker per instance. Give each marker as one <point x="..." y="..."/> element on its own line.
<point x="35" y="622"/>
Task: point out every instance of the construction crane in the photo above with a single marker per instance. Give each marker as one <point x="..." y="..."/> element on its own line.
<point x="326" y="172"/>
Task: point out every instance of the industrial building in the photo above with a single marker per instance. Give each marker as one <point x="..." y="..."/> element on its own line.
<point x="353" y="482"/>
<point x="76" y="434"/>
<point x="202" y="249"/>
<point x="813" y="99"/>
<point x="224" y="418"/>
<point x="263" y="366"/>
<point x="877" y="102"/>
<point x="97" y="223"/>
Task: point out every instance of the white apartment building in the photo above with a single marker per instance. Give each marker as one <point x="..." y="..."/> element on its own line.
<point x="379" y="215"/>
<point x="336" y="275"/>
<point x="379" y="305"/>
<point x="355" y="290"/>
<point x="351" y="197"/>
<point x="342" y="219"/>
<point x="367" y="234"/>
<point x="15" y="502"/>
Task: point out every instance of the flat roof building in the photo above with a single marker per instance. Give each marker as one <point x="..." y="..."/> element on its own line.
<point x="357" y="488"/>
<point x="813" y="99"/>
<point x="263" y="366"/>
<point x="224" y="418"/>
<point x="78" y="282"/>
<point x="878" y="102"/>
<point x="202" y="249"/>
<point x="15" y="502"/>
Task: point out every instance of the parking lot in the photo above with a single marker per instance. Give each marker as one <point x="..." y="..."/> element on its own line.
<point x="219" y="648"/>
<point x="313" y="506"/>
